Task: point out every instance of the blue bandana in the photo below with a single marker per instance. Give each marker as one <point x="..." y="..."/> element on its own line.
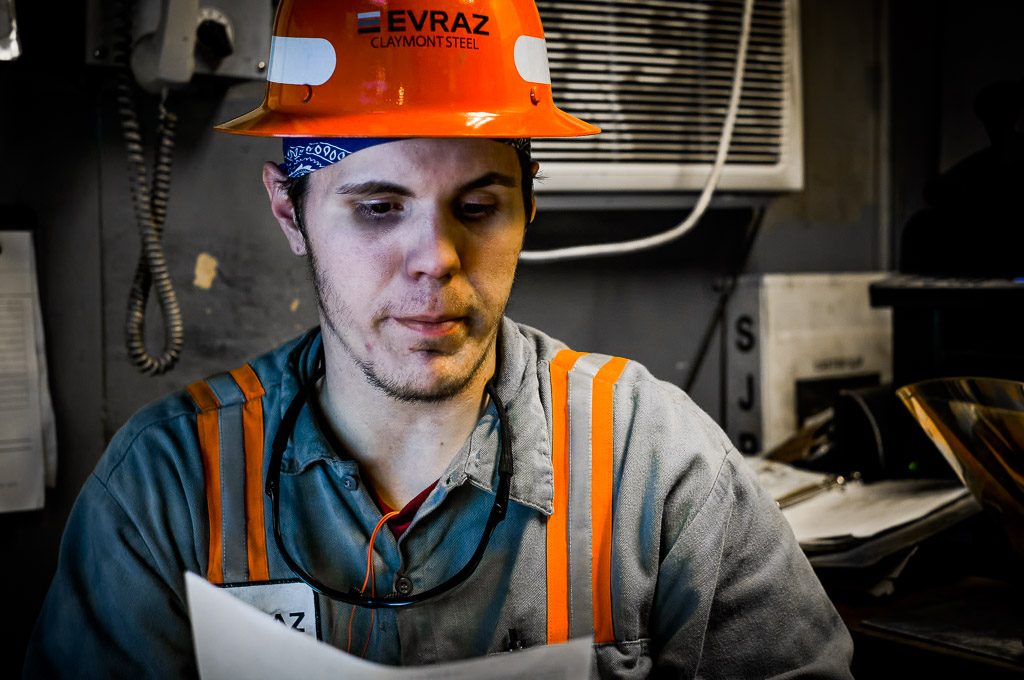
<point x="303" y="155"/>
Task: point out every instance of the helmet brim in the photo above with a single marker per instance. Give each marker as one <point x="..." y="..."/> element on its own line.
<point x="264" y="122"/>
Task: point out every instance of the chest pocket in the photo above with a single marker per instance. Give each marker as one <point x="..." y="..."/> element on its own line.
<point x="579" y="532"/>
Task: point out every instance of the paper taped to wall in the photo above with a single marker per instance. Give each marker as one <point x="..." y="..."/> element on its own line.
<point x="28" y="442"/>
<point x="10" y="48"/>
<point x="236" y="640"/>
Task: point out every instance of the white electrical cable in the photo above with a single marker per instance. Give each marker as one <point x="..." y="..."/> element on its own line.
<point x="655" y="240"/>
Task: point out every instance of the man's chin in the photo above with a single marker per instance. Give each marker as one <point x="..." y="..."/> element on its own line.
<point x="421" y="391"/>
<point x="428" y="376"/>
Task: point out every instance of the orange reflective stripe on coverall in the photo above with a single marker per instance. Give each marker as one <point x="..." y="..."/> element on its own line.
<point x="230" y="426"/>
<point x="209" y="444"/>
<point x="252" y="423"/>
<point x="557" y="527"/>
<point x="579" y="532"/>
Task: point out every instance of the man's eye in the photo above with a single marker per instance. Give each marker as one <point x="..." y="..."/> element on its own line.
<point x="377" y="209"/>
<point x="478" y="209"/>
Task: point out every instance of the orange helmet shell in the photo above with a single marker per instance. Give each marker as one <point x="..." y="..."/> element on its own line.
<point x="408" y="68"/>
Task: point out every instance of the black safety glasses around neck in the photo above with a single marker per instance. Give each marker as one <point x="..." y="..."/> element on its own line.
<point x="390" y="600"/>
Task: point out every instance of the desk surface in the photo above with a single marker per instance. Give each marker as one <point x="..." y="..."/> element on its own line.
<point x="957" y="609"/>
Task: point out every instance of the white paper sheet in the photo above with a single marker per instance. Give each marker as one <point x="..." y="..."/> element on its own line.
<point x="864" y="510"/>
<point x="47" y="419"/>
<point x="780" y="479"/>
<point x="235" y="640"/>
<point x="22" y="438"/>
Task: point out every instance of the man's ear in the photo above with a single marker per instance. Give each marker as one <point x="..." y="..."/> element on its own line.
<point x="534" y="167"/>
<point x="281" y="206"/>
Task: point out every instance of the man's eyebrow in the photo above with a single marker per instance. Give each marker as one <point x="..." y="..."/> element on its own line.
<point x="373" y="187"/>
<point x="491" y="179"/>
<point x="381" y="187"/>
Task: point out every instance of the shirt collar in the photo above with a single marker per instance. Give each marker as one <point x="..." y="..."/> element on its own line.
<point x="518" y="387"/>
<point x="307" y="443"/>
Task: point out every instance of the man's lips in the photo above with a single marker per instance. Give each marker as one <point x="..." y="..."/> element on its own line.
<point x="431" y="326"/>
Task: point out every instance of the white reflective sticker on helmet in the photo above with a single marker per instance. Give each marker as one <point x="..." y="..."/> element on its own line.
<point x="531" y="56"/>
<point x="301" y="61"/>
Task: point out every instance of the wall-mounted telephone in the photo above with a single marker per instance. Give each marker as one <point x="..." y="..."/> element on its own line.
<point x="158" y="45"/>
<point x="227" y="38"/>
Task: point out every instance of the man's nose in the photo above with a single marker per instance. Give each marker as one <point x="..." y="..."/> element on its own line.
<point x="435" y="245"/>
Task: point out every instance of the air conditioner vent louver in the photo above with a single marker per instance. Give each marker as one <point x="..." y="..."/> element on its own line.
<point x="655" y="76"/>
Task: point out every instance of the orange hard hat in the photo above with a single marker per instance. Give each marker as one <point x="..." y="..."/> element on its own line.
<point x="408" y="68"/>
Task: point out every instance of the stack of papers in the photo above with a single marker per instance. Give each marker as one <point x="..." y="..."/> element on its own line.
<point x="781" y="480"/>
<point x="857" y="524"/>
<point x="28" y="437"/>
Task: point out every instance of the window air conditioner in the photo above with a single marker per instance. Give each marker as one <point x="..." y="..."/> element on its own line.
<point x="655" y="76"/>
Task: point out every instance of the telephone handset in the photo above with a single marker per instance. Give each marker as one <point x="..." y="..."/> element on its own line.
<point x="166" y="57"/>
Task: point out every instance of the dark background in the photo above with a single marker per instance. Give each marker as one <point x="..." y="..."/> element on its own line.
<point x="888" y="104"/>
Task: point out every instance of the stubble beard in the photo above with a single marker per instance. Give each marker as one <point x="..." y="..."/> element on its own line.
<point x="334" y="313"/>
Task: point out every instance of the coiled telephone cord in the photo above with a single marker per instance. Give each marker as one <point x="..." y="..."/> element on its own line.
<point x="150" y="207"/>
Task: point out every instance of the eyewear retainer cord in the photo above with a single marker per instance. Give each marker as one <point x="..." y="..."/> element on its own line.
<point x="371" y="579"/>
<point x="391" y="600"/>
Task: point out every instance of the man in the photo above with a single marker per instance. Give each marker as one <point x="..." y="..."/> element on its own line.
<point x="544" y="494"/>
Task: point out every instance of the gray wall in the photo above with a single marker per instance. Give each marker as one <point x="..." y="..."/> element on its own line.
<point x="64" y="169"/>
